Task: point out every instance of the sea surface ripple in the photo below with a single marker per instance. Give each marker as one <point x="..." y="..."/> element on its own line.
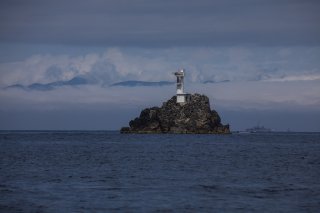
<point x="104" y="171"/>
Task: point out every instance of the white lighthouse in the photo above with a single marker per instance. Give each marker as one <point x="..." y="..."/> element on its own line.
<point x="181" y="96"/>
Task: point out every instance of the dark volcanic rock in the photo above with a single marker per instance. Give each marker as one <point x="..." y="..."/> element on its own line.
<point x="194" y="116"/>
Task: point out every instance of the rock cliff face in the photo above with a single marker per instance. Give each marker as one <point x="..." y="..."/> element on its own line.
<point x="194" y="117"/>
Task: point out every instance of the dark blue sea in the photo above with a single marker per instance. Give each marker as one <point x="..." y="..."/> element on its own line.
<point x="97" y="171"/>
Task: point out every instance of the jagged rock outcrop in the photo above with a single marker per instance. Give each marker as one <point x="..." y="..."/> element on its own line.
<point x="193" y="117"/>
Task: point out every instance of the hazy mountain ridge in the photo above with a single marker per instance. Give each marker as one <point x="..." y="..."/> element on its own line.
<point x="50" y="86"/>
<point x="142" y="83"/>
<point x="80" y="81"/>
<point x="77" y="81"/>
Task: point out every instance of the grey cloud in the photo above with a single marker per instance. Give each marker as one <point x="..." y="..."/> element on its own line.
<point x="54" y="73"/>
<point x="202" y="65"/>
<point x="161" y="23"/>
<point x="103" y="72"/>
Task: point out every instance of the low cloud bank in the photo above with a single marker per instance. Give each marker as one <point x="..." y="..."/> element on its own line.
<point x="279" y="105"/>
<point x="231" y="95"/>
<point x="203" y="65"/>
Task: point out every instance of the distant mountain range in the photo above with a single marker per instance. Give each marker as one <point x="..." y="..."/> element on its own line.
<point x="157" y="83"/>
<point x="77" y="81"/>
<point x="142" y="83"/>
<point x="214" y="82"/>
<point x="50" y="86"/>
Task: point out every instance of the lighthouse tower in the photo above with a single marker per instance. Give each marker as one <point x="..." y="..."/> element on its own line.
<point x="181" y="96"/>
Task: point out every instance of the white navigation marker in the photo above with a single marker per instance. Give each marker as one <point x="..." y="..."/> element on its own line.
<point x="181" y="96"/>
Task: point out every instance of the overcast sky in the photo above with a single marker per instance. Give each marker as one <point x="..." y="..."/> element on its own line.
<point x="263" y="55"/>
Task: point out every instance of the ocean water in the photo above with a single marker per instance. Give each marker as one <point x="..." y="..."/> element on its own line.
<point x="109" y="172"/>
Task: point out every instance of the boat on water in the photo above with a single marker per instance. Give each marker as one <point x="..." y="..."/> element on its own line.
<point x="258" y="129"/>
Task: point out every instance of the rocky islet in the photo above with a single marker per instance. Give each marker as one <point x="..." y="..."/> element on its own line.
<point x="193" y="117"/>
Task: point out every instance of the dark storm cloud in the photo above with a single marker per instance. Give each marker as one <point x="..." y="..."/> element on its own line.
<point x="161" y="23"/>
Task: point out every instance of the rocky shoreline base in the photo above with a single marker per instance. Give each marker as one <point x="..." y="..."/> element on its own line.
<point x="192" y="117"/>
